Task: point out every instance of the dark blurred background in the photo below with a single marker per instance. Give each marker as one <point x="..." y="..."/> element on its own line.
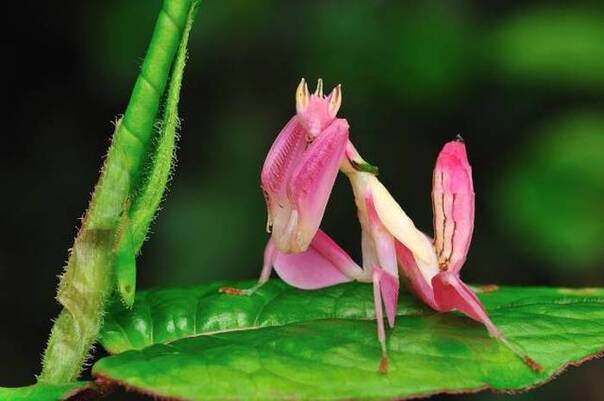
<point x="523" y="82"/>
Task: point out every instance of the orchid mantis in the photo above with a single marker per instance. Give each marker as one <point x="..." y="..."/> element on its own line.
<point x="297" y="179"/>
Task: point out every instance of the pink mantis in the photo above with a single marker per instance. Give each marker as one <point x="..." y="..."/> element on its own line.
<point x="297" y="178"/>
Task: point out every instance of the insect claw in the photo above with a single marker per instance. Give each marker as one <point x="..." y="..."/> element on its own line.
<point x="533" y="364"/>
<point x="232" y="291"/>
<point x="527" y="360"/>
<point x="383" y="368"/>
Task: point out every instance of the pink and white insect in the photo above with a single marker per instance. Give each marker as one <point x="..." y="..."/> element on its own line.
<point x="297" y="179"/>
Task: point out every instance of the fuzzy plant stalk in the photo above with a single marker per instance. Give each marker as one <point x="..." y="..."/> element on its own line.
<point x="151" y="189"/>
<point x="89" y="276"/>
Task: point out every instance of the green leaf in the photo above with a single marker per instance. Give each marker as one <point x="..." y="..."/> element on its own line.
<point x="284" y="343"/>
<point x="43" y="392"/>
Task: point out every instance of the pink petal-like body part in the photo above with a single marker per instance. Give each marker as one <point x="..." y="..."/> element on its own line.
<point x="453" y="204"/>
<point x="313" y="179"/>
<point x="417" y="282"/>
<point x="450" y="293"/>
<point x="323" y="264"/>
<point x="278" y="168"/>
<point x="297" y="179"/>
<point x="446" y="293"/>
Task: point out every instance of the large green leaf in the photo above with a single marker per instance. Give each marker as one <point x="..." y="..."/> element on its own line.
<point x="43" y="392"/>
<point x="283" y="343"/>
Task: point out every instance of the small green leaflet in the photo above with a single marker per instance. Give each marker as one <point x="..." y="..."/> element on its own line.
<point x="283" y="343"/>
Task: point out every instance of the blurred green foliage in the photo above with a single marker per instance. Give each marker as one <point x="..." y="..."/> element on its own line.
<point x="557" y="45"/>
<point x="419" y="52"/>
<point x="408" y="70"/>
<point x="554" y="194"/>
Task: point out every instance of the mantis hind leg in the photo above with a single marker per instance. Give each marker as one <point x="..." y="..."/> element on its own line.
<point x="379" y="315"/>
<point x="451" y="293"/>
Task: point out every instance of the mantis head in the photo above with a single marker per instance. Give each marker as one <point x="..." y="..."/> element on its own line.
<point x="315" y="111"/>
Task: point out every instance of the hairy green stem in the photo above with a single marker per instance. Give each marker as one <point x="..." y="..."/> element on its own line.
<point x="88" y="278"/>
<point x="154" y="184"/>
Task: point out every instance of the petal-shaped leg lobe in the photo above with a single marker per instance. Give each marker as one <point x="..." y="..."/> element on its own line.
<point x="323" y="264"/>
<point x="417" y="282"/>
<point x="450" y="293"/>
<point x="313" y="180"/>
<point x="331" y="251"/>
<point x="308" y="270"/>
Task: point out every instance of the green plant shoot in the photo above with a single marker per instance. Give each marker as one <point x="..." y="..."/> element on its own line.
<point x="150" y="193"/>
<point x="115" y="217"/>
